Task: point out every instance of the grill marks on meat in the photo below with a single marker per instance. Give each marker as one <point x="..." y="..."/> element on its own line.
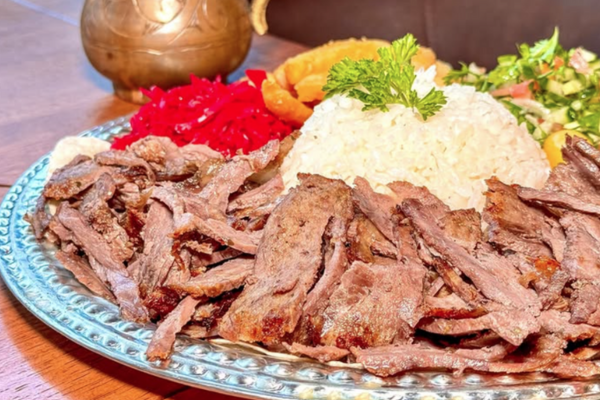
<point x="271" y="305"/>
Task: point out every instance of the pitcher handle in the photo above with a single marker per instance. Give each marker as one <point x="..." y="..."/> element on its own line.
<point x="258" y="16"/>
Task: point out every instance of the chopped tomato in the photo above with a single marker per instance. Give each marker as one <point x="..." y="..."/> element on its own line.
<point x="558" y="62"/>
<point x="521" y="91"/>
<point x="516" y="91"/>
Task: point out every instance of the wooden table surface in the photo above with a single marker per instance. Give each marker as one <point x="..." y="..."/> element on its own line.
<point x="49" y="90"/>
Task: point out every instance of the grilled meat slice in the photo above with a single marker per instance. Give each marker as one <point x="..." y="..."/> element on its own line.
<point x="365" y="310"/>
<point x="335" y="264"/>
<point x="157" y="259"/>
<point x="98" y="213"/>
<point x="164" y="337"/>
<point x="235" y="172"/>
<point x="321" y="353"/>
<point x="515" y="226"/>
<point x="391" y="360"/>
<point x="123" y="286"/>
<point x="71" y="180"/>
<point x="558" y="323"/>
<point x="84" y="274"/>
<point x="582" y="253"/>
<point x="560" y="200"/>
<point x="496" y="278"/>
<point x="511" y="325"/>
<point x="259" y="196"/>
<point x="224" y="278"/>
<point x="271" y="306"/>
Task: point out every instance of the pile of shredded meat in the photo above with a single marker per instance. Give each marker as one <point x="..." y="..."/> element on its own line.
<point x="186" y="238"/>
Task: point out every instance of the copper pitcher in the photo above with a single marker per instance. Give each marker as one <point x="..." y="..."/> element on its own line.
<point x="141" y="43"/>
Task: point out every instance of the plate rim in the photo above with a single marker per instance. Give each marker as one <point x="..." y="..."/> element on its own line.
<point x="54" y="324"/>
<point x="8" y="260"/>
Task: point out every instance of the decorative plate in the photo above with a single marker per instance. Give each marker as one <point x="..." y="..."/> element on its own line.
<point x="53" y="295"/>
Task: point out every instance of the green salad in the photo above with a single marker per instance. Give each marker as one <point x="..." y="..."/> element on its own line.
<point x="545" y="86"/>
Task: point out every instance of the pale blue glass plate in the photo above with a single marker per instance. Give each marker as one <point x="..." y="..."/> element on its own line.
<point x="53" y="295"/>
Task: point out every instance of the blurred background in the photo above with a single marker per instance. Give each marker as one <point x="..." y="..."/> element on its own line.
<point x="458" y="30"/>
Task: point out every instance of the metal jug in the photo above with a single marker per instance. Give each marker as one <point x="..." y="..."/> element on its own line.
<point x="141" y="43"/>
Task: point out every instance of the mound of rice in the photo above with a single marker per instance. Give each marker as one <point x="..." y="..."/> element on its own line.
<point x="452" y="153"/>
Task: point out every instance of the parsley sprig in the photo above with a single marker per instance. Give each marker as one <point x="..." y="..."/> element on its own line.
<point x="386" y="81"/>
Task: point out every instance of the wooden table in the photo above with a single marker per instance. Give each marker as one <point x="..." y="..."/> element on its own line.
<point x="49" y="90"/>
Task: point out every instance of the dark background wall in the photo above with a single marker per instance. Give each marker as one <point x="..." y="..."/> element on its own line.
<point x="458" y="30"/>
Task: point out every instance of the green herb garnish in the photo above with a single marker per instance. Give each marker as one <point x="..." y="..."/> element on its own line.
<point x="388" y="80"/>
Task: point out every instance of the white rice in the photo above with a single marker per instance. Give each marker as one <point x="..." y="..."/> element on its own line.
<point x="471" y="139"/>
